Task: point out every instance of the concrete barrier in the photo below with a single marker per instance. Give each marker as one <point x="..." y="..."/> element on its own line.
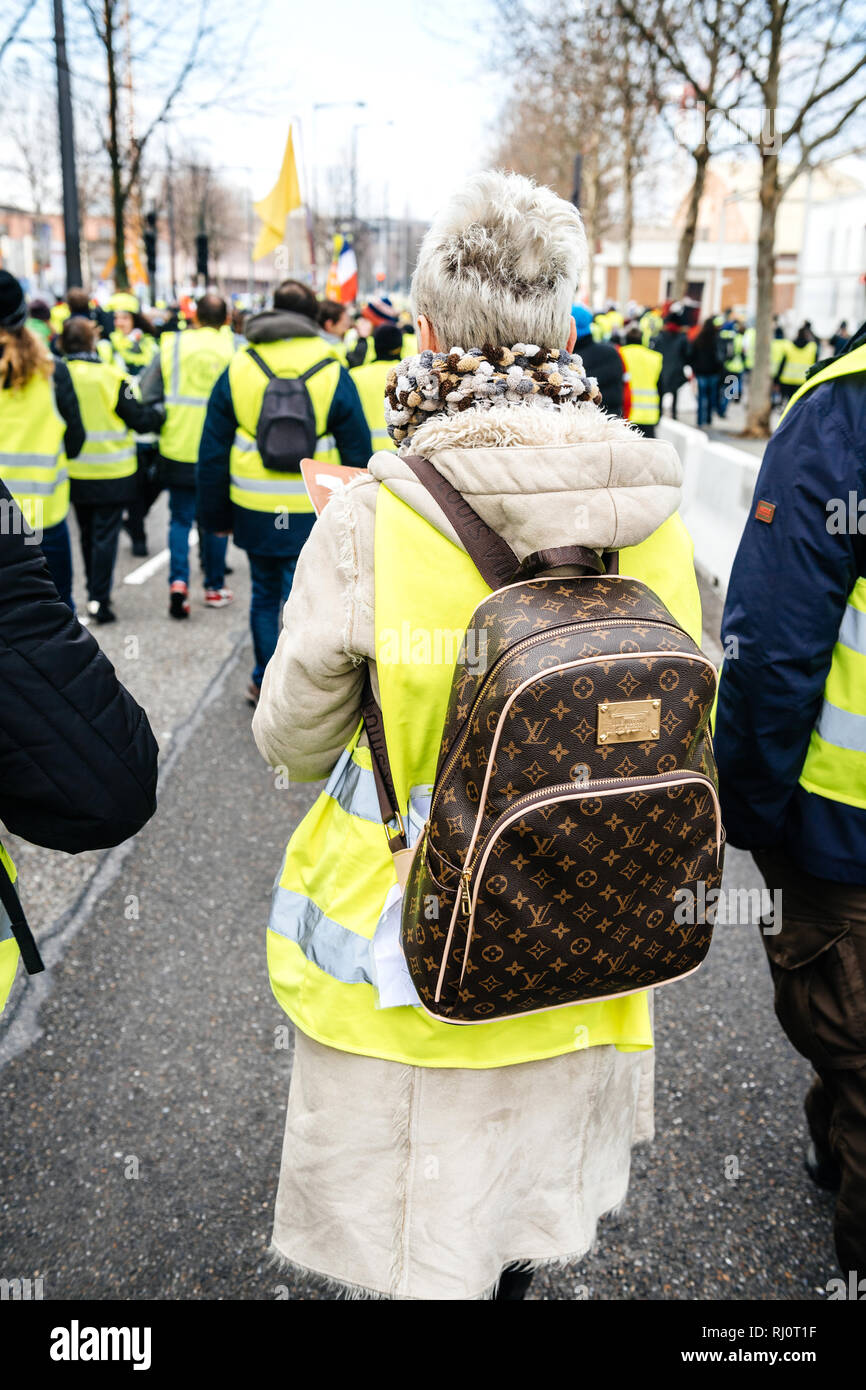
<point x="718" y="483"/>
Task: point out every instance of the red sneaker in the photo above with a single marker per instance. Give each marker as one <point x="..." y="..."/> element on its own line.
<point x="178" y="600"/>
<point x="217" y="598"/>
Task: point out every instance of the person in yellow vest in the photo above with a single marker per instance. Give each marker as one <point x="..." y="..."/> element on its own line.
<point x="58" y="315"/>
<point x="795" y="360"/>
<point x="40" y="429"/>
<point x="644" y="367"/>
<point x="265" y="508"/>
<point x="103" y="474"/>
<point x="372" y="378"/>
<point x="182" y="376"/>
<point x="790" y="742"/>
<point x="470" y="1148"/>
<point x="131" y="338"/>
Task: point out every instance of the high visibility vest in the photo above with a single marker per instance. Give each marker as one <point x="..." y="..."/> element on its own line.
<point x="797" y="363"/>
<point x="109" y="449"/>
<point x="650" y="324"/>
<point x="32" y="461"/>
<point x="253" y="486"/>
<point x="644" y="366"/>
<point x="134" y="355"/>
<point x="835" y="765"/>
<point x="8" y="945"/>
<point x="778" y="348"/>
<point x="749" y="349"/>
<point x="410" y="345"/>
<point x="370" y="381"/>
<point x="733" y="342"/>
<point x="104" y="351"/>
<point x="58" y="314"/>
<point x="191" y="363"/>
<point x="338" y="870"/>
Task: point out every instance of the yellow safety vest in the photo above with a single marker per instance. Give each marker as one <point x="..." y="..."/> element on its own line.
<point x="134" y="355"/>
<point x="410" y="345"/>
<point x="109" y="449"/>
<point x="749" y="349"/>
<point x="191" y="363"/>
<point x="650" y="324"/>
<point x="253" y="486"/>
<point x="797" y="363"/>
<point x="58" y="315"/>
<point x="32" y="461"/>
<point x="644" y="366"/>
<point x="835" y="765"/>
<point x="370" y="380"/>
<point x="338" y="870"/>
<point x="8" y="945"/>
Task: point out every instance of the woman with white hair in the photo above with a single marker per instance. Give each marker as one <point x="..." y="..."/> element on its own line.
<point x="424" y="1160"/>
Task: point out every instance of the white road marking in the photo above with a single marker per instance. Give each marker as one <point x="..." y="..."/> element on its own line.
<point x="142" y="573"/>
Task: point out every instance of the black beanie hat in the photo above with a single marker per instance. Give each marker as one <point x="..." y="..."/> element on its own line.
<point x="388" y="339"/>
<point x="13" y="307"/>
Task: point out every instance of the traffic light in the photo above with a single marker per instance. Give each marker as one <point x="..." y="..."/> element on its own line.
<point x="150" y="245"/>
<point x="201" y="255"/>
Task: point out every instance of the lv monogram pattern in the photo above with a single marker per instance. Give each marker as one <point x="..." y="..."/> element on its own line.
<point x="549" y="868"/>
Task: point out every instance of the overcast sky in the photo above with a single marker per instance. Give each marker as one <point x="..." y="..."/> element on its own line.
<point x="425" y="67"/>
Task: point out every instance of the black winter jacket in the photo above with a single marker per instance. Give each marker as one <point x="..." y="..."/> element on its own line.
<point x="78" y="760"/>
<point x="602" y="360"/>
<point x="108" y="492"/>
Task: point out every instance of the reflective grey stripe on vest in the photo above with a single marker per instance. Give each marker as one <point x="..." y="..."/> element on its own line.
<point x="842" y="728"/>
<point x="28" y="460"/>
<point x="325" y="444"/>
<point x="5" y="924"/>
<point x="649" y="392"/>
<point x="105" y="436"/>
<point x="342" y="954"/>
<point x="852" y="632"/>
<point x="278" y="484"/>
<point x="175" y="398"/>
<point x="116" y="456"/>
<point x="26" y="487"/>
<point x="248" y="446"/>
<point x="354" y="789"/>
<point x="380" y="434"/>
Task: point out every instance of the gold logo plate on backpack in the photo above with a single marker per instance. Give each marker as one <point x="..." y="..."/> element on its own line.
<point x="628" y="721"/>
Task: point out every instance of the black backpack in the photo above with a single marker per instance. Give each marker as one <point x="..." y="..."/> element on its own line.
<point x="286" y="431"/>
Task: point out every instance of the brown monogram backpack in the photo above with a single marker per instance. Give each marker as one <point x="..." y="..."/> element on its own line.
<point x="575" y="795"/>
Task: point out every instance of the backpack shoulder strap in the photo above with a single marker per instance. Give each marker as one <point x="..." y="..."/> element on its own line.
<point x="30" y="956"/>
<point x="317" y="367"/>
<point x="260" y="362"/>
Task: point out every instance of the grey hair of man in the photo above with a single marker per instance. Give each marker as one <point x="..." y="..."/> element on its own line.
<point x="500" y="264"/>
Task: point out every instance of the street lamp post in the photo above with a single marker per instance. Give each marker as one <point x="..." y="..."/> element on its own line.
<point x="71" y="233"/>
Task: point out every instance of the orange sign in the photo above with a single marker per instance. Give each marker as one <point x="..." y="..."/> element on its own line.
<point x="322" y="480"/>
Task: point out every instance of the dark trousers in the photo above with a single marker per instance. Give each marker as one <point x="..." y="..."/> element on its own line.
<point x="148" y="486"/>
<point x="272" y="577"/>
<point x="99" y="524"/>
<point x="707" y="398"/>
<point x="818" y="965"/>
<point x="58" y="557"/>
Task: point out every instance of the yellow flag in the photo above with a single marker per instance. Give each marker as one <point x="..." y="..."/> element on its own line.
<point x="275" y="208"/>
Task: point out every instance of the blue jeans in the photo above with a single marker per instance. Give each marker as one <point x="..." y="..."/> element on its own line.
<point x="181" y="502"/>
<point x="58" y="557"/>
<point x="708" y="388"/>
<point x="272" y="577"/>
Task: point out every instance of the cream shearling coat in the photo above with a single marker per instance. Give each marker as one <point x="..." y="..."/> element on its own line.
<point x="527" y="1157"/>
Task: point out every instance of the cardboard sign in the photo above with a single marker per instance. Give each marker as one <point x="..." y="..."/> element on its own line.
<point x="322" y="480"/>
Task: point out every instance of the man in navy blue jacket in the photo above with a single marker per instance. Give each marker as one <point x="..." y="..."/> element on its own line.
<point x="273" y="550"/>
<point x="791" y="748"/>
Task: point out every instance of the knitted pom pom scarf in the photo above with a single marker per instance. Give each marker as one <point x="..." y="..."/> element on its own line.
<point x="447" y="383"/>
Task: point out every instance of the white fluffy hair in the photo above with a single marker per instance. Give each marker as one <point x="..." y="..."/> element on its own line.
<point x="500" y="265"/>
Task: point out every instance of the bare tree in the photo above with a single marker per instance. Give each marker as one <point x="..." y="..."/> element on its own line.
<point x="692" y="43"/>
<point x="12" y="19"/>
<point x="806" y="61"/>
<point x="32" y="128"/>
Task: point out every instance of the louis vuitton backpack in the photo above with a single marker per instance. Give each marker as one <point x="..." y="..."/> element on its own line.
<point x="576" y="793"/>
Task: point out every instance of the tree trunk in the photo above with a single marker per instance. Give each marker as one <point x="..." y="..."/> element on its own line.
<point x="627" y="217"/>
<point x="118" y="200"/>
<point x="701" y="157"/>
<point x="589" y="212"/>
<point x="758" y="420"/>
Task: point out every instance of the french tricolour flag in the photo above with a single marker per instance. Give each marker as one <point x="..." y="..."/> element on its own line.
<point x="347" y="273"/>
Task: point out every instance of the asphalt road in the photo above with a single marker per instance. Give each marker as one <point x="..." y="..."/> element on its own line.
<point x="143" y="1079"/>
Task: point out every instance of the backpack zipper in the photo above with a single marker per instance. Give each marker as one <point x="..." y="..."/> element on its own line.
<point x="457" y="748"/>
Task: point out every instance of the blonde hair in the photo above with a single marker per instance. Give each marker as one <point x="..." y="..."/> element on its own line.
<point x="22" y="355"/>
<point x="500" y="265"/>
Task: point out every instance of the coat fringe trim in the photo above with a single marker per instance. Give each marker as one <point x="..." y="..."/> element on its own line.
<point x="342" y="1289"/>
